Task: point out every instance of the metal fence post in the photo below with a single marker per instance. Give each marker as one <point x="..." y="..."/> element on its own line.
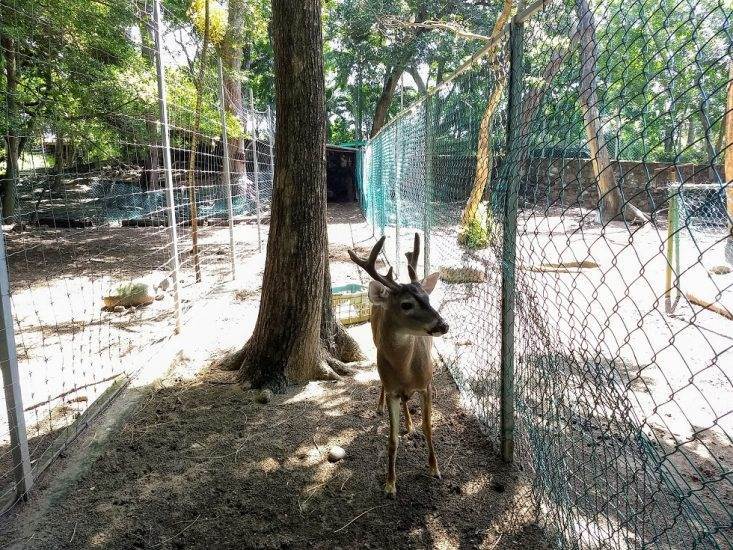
<point x="509" y="251"/>
<point x="397" y="200"/>
<point x="428" y="163"/>
<point x="672" y="238"/>
<point x="271" y="143"/>
<point x="256" y="168"/>
<point x="170" y="197"/>
<point x="226" y="170"/>
<point x="21" y="459"/>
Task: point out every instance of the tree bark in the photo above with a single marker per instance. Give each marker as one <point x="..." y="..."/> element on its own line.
<point x="295" y="337"/>
<point x="12" y="140"/>
<point x="612" y="205"/>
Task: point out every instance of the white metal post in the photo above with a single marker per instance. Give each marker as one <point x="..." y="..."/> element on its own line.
<point x="170" y="197"/>
<point x="256" y="168"/>
<point x="397" y="200"/>
<point x="226" y="168"/>
<point x="271" y="143"/>
<point x="11" y="382"/>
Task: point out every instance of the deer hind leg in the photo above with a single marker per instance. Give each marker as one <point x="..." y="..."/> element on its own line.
<point x="380" y="405"/>
<point x="427" y="428"/>
<point x="393" y="404"/>
<point x="408" y="417"/>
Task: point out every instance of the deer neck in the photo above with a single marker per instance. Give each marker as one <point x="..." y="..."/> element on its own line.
<point x="395" y="341"/>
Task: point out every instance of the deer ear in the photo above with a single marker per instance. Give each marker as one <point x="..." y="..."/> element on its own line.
<point x="378" y="293"/>
<point x="429" y="282"/>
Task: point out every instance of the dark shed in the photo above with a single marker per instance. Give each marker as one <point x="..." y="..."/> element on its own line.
<point x="340" y="173"/>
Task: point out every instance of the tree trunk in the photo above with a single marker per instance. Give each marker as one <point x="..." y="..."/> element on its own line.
<point x="295" y="336"/>
<point x="393" y="76"/>
<point x="232" y="57"/>
<point x="612" y="205"/>
<point x="358" y="119"/>
<point x="192" y="205"/>
<point x="709" y="145"/>
<point x="385" y="98"/>
<point x="422" y="89"/>
<point x="484" y="156"/>
<point x="151" y="164"/>
<point x="12" y="140"/>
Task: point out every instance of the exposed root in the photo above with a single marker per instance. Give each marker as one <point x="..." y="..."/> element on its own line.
<point x="346" y="348"/>
<point x="340" y="367"/>
<point x="230" y="361"/>
<point x="324" y="371"/>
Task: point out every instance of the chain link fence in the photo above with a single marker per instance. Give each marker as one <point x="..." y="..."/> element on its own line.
<point x="568" y="181"/>
<point x="137" y="175"/>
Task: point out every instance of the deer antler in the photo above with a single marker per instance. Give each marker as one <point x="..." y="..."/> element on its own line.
<point x="412" y="259"/>
<point x="369" y="265"/>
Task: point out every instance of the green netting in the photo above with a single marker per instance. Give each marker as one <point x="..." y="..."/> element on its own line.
<point x="623" y="407"/>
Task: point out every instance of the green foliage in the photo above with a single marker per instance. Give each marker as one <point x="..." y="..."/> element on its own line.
<point x="480" y="232"/>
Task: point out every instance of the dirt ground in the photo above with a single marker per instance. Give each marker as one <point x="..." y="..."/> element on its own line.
<point x="200" y="464"/>
<point x="196" y="462"/>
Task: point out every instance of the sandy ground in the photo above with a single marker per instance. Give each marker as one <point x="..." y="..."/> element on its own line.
<point x="71" y="350"/>
<point x="199" y="464"/>
<point x="624" y="411"/>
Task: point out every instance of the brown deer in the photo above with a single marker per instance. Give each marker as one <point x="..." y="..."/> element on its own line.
<point x="403" y="325"/>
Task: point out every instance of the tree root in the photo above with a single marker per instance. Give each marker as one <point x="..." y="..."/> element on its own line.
<point x="230" y="361"/>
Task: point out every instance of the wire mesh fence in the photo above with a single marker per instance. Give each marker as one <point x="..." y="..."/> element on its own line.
<point x="122" y="209"/>
<point x="558" y="180"/>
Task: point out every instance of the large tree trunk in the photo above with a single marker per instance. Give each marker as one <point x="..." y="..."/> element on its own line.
<point x="612" y="205"/>
<point x="295" y="337"/>
<point x="231" y="51"/>
<point x="12" y="140"/>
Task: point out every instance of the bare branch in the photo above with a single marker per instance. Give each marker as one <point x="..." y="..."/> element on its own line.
<point x="397" y="23"/>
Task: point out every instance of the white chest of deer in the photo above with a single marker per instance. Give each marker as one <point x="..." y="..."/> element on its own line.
<point x="403" y="325"/>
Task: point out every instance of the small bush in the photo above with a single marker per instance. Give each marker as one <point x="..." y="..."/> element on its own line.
<point x="479" y="232"/>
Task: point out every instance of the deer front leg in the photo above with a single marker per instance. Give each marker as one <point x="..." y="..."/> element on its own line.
<point x="427" y="428"/>
<point x="393" y="404"/>
<point x="380" y="405"/>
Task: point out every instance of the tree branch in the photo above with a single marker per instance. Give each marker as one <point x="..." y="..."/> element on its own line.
<point x="397" y="23"/>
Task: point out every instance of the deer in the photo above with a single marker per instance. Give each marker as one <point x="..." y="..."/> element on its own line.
<point x="403" y="326"/>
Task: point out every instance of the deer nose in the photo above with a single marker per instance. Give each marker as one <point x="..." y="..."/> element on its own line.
<point x="440" y="328"/>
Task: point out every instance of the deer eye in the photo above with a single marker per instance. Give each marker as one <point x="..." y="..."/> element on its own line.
<point x="406" y="305"/>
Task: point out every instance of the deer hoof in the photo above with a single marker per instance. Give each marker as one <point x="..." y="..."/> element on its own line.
<point x="390" y="489"/>
<point x="435" y="473"/>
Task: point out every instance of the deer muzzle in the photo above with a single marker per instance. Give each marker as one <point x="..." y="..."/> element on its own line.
<point x="440" y="328"/>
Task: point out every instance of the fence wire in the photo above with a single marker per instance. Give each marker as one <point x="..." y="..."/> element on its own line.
<point x="93" y="286"/>
<point x="622" y="406"/>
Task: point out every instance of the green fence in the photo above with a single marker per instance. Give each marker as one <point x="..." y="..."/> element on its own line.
<point x="572" y="133"/>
